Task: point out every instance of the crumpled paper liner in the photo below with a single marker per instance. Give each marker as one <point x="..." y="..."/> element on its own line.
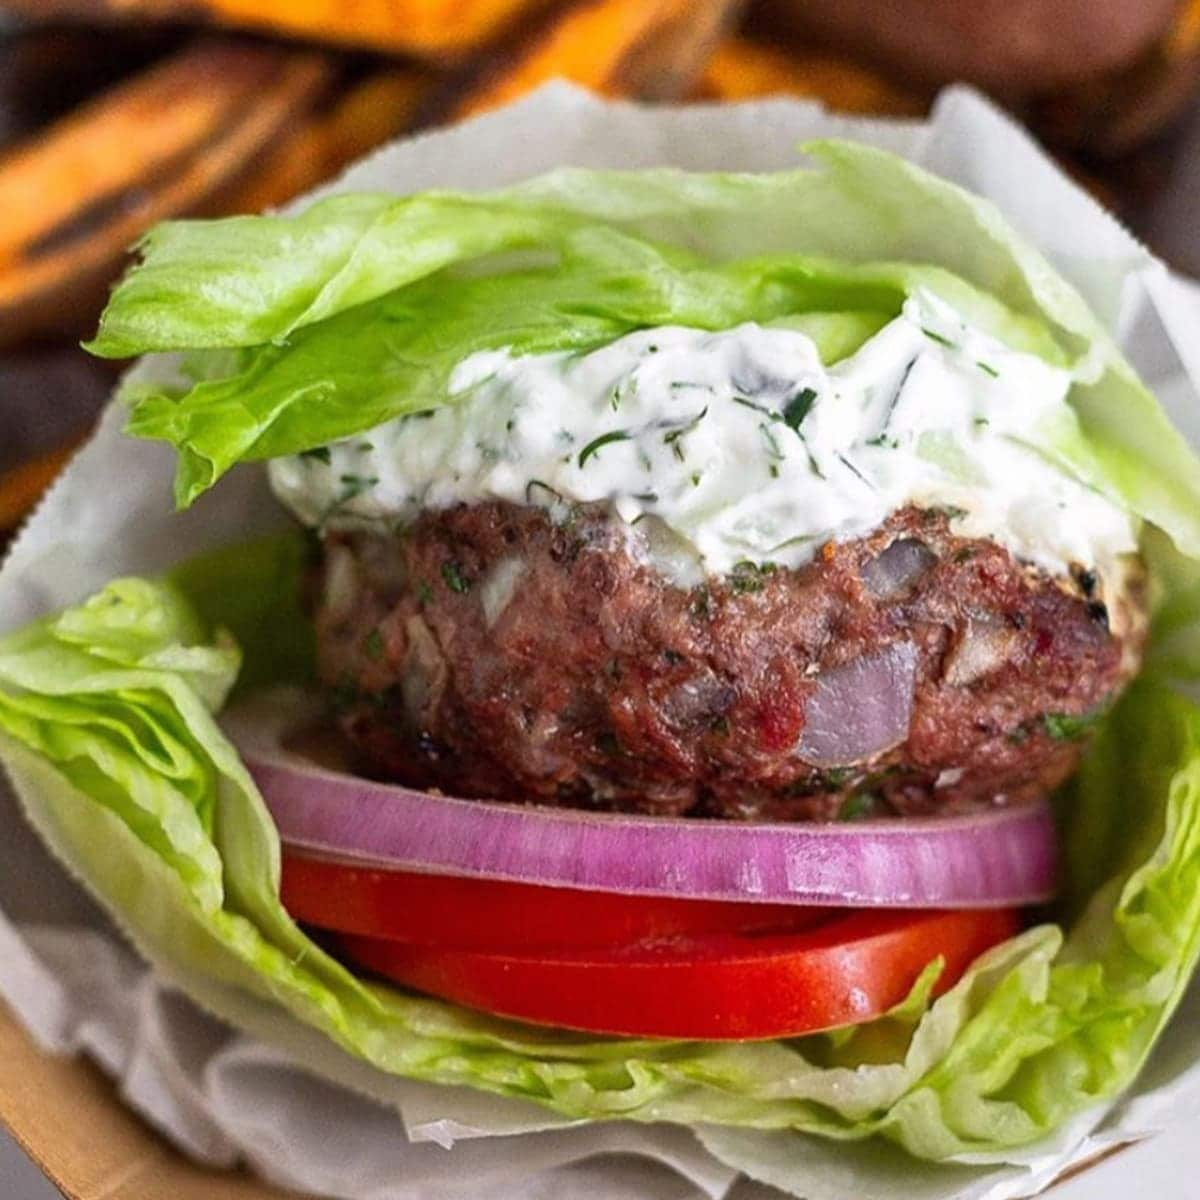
<point x="266" y="1089"/>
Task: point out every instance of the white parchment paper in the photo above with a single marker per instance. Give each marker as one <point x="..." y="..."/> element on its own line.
<point x="258" y="1086"/>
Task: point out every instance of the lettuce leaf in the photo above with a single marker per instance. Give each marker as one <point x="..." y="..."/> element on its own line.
<point x="303" y="329"/>
<point x="395" y="355"/>
<point x="107" y="728"/>
<point x="247" y="281"/>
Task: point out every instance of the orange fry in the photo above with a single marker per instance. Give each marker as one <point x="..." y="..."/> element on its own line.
<point x="741" y="69"/>
<point x="21" y="489"/>
<point x="650" y="49"/>
<point x="372" y="111"/>
<point x="439" y="28"/>
<point x="1183" y="40"/>
<point x="166" y="142"/>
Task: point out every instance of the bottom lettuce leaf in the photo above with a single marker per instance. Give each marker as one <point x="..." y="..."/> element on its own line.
<point x="108" y="731"/>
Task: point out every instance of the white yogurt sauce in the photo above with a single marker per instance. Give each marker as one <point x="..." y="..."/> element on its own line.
<point x="741" y="442"/>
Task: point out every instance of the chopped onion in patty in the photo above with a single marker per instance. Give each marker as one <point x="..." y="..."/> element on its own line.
<point x="500" y="586"/>
<point x="861" y="709"/>
<point x="896" y="569"/>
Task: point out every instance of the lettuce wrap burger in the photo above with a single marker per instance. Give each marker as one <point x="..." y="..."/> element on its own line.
<point x="718" y="665"/>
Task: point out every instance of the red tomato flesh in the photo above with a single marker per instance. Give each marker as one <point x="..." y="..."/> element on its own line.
<point x="637" y="966"/>
<point x="719" y="986"/>
<point x="489" y="914"/>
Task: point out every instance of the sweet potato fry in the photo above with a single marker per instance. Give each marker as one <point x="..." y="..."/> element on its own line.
<point x="437" y="28"/>
<point x="21" y="489"/>
<point x="369" y="112"/>
<point x="741" y="69"/>
<point x="166" y="142"/>
<point x="650" y="49"/>
<point x="1183" y="39"/>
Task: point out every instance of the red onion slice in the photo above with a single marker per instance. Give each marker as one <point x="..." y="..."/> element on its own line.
<point x="861" y="709"/>
<point x="998" y="859"/>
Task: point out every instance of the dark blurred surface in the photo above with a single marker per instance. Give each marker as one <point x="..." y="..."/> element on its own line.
<point x="45" y="74"/>
<point x="1171" y="223"/>
<point x="48" y="395"/>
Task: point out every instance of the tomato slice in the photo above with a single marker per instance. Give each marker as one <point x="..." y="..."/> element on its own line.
<point x="488" y="914"/>
<point x="703" y="985"/>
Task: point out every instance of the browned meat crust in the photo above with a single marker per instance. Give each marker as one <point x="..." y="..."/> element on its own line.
<point x="492" y="651"/>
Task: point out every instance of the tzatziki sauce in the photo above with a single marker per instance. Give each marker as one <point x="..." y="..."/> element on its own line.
<point x="740" y="442"/>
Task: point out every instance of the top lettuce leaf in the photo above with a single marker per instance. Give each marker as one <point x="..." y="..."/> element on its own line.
<point x="303" y="329"/>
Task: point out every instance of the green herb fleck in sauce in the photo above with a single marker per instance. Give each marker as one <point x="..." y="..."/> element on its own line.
<point x="934" y="336"/>
<point x="772" y="445"/>
<point x="884" y="441"/>
<point x="797" y="408"/>
<point x="593" y="447"/>
<point x="672" y="438"/>
<point x="355" y="485"/>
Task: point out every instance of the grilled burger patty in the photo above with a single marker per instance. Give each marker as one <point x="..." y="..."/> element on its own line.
<point x="510" y="652"/>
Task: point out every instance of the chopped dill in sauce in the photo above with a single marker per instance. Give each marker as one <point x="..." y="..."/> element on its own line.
<point x="596" y="444"/>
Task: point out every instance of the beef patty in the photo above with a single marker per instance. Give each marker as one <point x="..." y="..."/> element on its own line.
<point x="503" y="651"/>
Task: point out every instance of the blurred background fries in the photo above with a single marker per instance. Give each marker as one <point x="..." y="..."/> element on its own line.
<point x="115" y="114"/>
